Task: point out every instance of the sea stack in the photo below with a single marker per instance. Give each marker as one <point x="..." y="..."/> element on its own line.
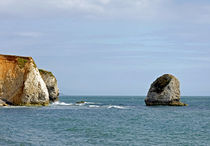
<point x="51" y="84"/>
<point x="165" y="90"/>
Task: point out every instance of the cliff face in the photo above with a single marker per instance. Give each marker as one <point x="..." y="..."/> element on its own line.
<point x="164" y="91"/>
<point x="2" y="103"/>
<point x="51" y="84"/>
<point x="21" y="82"/>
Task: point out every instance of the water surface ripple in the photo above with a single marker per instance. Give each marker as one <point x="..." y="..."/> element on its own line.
<point x="101" y="120"/>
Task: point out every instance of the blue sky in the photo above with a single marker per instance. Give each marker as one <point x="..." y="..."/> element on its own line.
<point x="112" y="47"/>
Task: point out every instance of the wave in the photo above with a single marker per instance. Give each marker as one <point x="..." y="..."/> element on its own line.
<point x="94" y="106"/>
<point x="85" y="104"/>
<point x="117" y="106"/>
<point x="108" y="106"/>
<point x="68" y="104"/>
<point x="89" y="105"/>
<point x="62" y="103"/>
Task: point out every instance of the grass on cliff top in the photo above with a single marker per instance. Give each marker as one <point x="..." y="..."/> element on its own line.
<point x="45" y="72"/>
<point x="22" y="62"/>
<point x="34" y="64"/>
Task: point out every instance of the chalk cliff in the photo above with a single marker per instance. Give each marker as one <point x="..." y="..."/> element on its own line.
<point x="21" y="82"/>
<point x="51" y="84"/>
<point x="164" y="91"/>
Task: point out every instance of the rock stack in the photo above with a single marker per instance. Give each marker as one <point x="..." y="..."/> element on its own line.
<point x="51" y="84"/>
<point x="164" y="91"/>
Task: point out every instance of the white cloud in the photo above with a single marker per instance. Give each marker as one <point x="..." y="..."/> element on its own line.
<point x="28" y="8"/>
<point x="107" y="9"/>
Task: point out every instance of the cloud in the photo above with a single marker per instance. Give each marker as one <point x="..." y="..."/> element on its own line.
<point x="152" y="10"/>
<point x="72" y="7"/>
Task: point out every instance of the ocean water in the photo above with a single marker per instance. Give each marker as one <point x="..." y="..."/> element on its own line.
<point x="107" y="120"/>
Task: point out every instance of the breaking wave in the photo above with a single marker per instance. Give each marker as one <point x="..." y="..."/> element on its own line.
<point x="94" y="106"/>
<point x="89" y="105"/>
<point x="62" y="103"/>
<point x="117" y="106"/>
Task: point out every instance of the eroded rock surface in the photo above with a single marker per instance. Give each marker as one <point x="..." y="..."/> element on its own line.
<point x="51" y="84"/>
<point x="2" y="103"/>
<point x="21" y="82"/>
<point x="164" y="91"/>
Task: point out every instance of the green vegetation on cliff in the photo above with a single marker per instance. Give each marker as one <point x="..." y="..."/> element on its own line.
<point x="45" y="72"/>
<point x="22" y="62"/>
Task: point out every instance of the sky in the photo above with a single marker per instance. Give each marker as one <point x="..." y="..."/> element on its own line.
<point x="112" y="47"/>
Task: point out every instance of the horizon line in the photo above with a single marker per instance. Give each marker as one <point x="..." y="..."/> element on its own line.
<point x="135" y="95"/>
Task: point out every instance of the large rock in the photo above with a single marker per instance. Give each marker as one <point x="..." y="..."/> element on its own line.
<point x="21" y="82"/>
<point x="164" y="91"/>
<point x="51" y="84"/>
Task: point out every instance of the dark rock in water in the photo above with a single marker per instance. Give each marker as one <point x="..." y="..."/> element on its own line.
<point x="164" y="91"/>
<point x="51" y="84"/>
<point x="79" y="102"/>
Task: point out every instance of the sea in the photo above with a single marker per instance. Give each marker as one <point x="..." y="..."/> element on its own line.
<point x="107" y="120"/>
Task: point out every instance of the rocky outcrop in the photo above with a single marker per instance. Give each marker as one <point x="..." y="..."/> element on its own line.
<point x="2" y="103"/>
<point x="21" y="82"/>
<point x="164" y="91"/>
<point x="80" y="102"/>
<point x="51" y="84"/>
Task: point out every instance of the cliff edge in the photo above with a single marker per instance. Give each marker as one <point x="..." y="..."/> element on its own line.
<point x="21" y="82"/>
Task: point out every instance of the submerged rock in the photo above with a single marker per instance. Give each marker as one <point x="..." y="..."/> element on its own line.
<point x="80" y="102"/>
<point x="164" y="91"/>
<point x="51" y="84"/>
<point x="21" y="82"/>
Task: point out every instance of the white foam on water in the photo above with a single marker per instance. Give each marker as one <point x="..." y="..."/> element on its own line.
<point x="90" y="103"/>
<point x="85" y="103"/>
<point x="94" y="106"/>
<point x="117" y="106"/>
<point x="61" y="103"/>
